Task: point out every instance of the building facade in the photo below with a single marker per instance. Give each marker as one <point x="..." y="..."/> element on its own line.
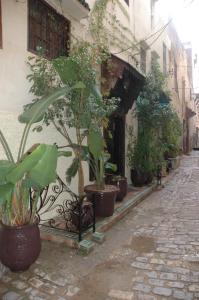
<point x="136" y="36"/>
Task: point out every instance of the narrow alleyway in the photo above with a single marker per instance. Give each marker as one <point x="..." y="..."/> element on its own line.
<point x="153" y="253"/>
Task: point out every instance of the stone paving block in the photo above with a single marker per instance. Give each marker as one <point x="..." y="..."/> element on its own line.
<point x="152" y="274"/>
<point x="121" y="295"/>
<point x="48" y="289"/>
<point x="35" y="282"/>
<point x="168" y="276"/>
<point x="156" y="282"/>
<point x="162" y="291"/>
<point x="145" y="288"/>
<point x="189" y="278"/>
<point x="182" y="295"/>
<point x="157" y="261"/>
<point x="175" y="284"/>
<point x="56" y="279"/>
<point x="138" y="279"/>
<point x="145" y="297"/>
<point x="194" y="288"/>
<point x="12" y="296"/>
<point x="182" y="271"/>
<point x="142" y="259"/>
<point x="98" y="237"/>
<point x="20" y="285"/>
<point x="85" y="247"/>
<point x="6" y="279"/>
<point x="140" y="265"/>
<point x="72" y="290"/>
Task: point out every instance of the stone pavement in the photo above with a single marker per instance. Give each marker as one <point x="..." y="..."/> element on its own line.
<point x="153" y="253"/>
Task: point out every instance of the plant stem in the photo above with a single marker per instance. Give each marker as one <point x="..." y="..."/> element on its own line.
<point x="21" y="142"/>
<point x="6" y="147"/>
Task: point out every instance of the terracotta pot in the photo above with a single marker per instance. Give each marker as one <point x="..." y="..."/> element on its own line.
<point x="121" y="183"/>
<point x="20" y="246"/>
<point x="104" y="199"/>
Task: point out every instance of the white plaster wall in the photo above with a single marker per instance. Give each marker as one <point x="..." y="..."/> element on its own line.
<point x="14" y="87"/>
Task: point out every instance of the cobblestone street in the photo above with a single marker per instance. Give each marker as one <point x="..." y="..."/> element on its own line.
<point x="153" y="253"/>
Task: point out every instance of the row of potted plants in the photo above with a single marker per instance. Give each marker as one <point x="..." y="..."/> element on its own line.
<point x="159" y="130"/>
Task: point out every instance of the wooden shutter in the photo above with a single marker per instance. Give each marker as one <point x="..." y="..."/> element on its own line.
<point x="1" y="39"/>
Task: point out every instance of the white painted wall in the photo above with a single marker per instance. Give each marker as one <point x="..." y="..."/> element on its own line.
<point x="14" y="87"/>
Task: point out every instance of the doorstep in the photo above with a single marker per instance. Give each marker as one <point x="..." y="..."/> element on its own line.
<point x="133" y="198"/>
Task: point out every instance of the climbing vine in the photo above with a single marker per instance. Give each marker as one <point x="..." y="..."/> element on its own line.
<point x="107" y="30"/>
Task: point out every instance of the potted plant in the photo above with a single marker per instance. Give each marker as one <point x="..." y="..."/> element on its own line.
<point x="33" y="170"/>
<point x="139" y="160"/>
<point x="120" y="182"/>
<point x="103" y="195"/>
<point x="82" y="109"/>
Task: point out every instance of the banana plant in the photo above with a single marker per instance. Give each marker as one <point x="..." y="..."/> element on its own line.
<point x="33" y="169"/>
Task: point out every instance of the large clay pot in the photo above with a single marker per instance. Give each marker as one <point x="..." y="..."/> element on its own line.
<point x="121" y="183"/>
<point x="140" y="178"/>
<point x="104" y="199"/>
<point x="20" y="246"/>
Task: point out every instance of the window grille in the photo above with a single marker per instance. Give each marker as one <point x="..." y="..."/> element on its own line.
<point x="47" y="30"/>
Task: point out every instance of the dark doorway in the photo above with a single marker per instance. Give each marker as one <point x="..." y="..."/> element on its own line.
<point x="115" y="140"/>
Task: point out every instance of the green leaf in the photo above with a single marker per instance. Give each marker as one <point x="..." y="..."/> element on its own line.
<point x="6" y="191"/>
<point x="40" y="166"/>
<point x="72" y="170"/>
<point x="67" y="69"/>
<point x="5" y="167"/>
<point x="36" y="111"/>
<point x="95" y="143"/>
<point x="44" y="171"/>
<point x="110" y="166"/>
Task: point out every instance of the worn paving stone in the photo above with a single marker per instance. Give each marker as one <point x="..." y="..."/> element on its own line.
<point x="162" y="291"/>
<point x="121" y="295"/>
<point x="182" y="295"/>
<point x="152" y="254"/>
<point x="11" y="296"/>
<point x="145" y="288"/>
<point x="20" y="285"/>
<point x="168" y="276"/>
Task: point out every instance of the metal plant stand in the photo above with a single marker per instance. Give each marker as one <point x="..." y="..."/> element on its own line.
<point x="76" y="213"/>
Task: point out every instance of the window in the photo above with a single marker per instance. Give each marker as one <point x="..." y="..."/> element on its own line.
<point x="47" y="29"/>
<point x="143" y="60"/>
<point x="164" y="59"/>
<point x="1" y="39"/>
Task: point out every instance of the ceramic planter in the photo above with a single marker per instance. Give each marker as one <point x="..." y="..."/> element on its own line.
<point x="104" y="199"/>
<point x="121" y="183"/>
<point x="140" y="178"/>
<point x="20" y="246"/>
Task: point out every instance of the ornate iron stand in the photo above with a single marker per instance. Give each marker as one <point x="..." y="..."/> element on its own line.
<point x="65" y="207"/>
